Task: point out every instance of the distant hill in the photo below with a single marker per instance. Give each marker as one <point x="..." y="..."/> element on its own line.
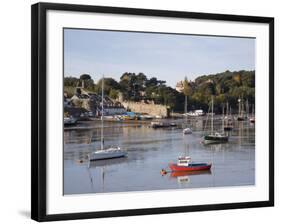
<point x="225" y="86"/>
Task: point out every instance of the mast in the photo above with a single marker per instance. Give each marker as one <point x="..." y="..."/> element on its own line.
<point x="212" y="121"/>
<point x="227" y="109"/>
<point x="102" y="96"/>
<point x="242" y="107"/>
<point x="239" y="110"/>
<point x="247" y="107"/>
<point x="223" y="118"/>
<point x="185" y="109"/>
<point x="185" y="104"/>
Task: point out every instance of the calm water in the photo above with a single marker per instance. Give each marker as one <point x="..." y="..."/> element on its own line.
<point x="149" y="151"/>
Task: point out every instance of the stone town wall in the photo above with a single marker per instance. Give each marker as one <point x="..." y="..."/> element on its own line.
<point x="151" y="109"/>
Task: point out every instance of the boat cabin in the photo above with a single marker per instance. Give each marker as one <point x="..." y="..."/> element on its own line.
<point x="184" y="160"/>
<point x="217" y="134"/>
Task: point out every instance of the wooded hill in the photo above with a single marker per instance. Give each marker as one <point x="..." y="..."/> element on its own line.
<point x="226" y="87"/>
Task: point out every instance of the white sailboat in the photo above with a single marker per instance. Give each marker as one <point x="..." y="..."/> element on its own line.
<point x="186" y="130"/>
<point x="229" y="124"/>
<point x="241" y="110"/>
<point x="106" y="153"/>
<point x="252" y="118"/>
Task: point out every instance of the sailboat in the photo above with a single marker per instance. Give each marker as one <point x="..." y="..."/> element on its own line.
<point x="214" y="137"/>
<point x="241" y="111"/>
<point x="187" y="130"/>
<point x="106" y="153"/>
<point x="229" y="125"/>
<point x="252" y="118"/>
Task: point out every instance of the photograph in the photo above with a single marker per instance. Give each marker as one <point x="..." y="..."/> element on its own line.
<point x="156" y="111"/>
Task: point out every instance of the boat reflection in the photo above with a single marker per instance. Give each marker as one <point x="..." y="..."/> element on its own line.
<point x="105" y="163"/>
<point x="189" y="173"/>
<point x="183" y="179"/>
<point x="184" y="176"/>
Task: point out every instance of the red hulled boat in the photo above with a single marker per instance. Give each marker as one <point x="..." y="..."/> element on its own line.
<point x="185" y="164"/>
<point x="189" y="173"/>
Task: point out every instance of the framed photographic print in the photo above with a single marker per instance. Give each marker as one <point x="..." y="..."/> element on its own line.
<point x="140" y="111"/>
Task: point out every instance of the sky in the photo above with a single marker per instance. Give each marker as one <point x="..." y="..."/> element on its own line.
<point x="168" y="57"/>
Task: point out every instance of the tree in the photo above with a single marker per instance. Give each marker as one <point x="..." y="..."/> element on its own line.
<point x="109" y="84"/>
<point x="70" y="81"/>
<point x="113" y="93"/>
<point x="152" y="82"/>
<point x="141" y="80"/>
<point x="85" y="77"/>
<point x="88" y="81"/>
<point x="238" y="79"/>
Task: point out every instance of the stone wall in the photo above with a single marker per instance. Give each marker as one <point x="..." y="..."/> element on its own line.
<point x="151" y="109"/>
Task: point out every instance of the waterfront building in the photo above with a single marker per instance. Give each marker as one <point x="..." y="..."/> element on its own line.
<point x="179" y="86"/>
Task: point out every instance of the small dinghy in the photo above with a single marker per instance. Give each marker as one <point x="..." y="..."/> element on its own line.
<point x="252" y="120"/>
<point x="68" y="121"/>
<point x="185" y="164"/>
<point x="187" y="131"/>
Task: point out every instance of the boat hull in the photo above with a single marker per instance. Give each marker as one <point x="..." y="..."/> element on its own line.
<point x="69" y="122"/>
<point x="162" y="124"/>
<point x="176" y="168"/>
<point x="187" y="131"/>
<point x="107" y="155"/>
<point x="229" y="128"/>
<point x="215" y="139"/>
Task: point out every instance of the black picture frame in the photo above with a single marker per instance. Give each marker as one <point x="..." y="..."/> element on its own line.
<point x="39" y="107"/>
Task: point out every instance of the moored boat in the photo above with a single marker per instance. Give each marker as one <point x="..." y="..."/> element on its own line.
<point x="195" y="113"/>
<point x="187" y="131"/>
<point x="241" y="116"/>
<point x="185" y="164"/>
<point x="252" y="120"/>
<point x="67" y="121"/>
<point x="109" y="153"/>
<point x="106" y="153"/>
<point x="227" y="120"/>
<point x="228" y="127"/>
<point x="145" y="116"/>
<point x="158" y="124"/>
<point x="214" y="137"/>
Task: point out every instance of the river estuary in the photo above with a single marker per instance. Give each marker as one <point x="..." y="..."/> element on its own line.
<point x="150" y="150"/>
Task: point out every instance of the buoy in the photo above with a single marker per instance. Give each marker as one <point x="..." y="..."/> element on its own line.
<point x="163" y="172"/>
<point x="80" y="161"/>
